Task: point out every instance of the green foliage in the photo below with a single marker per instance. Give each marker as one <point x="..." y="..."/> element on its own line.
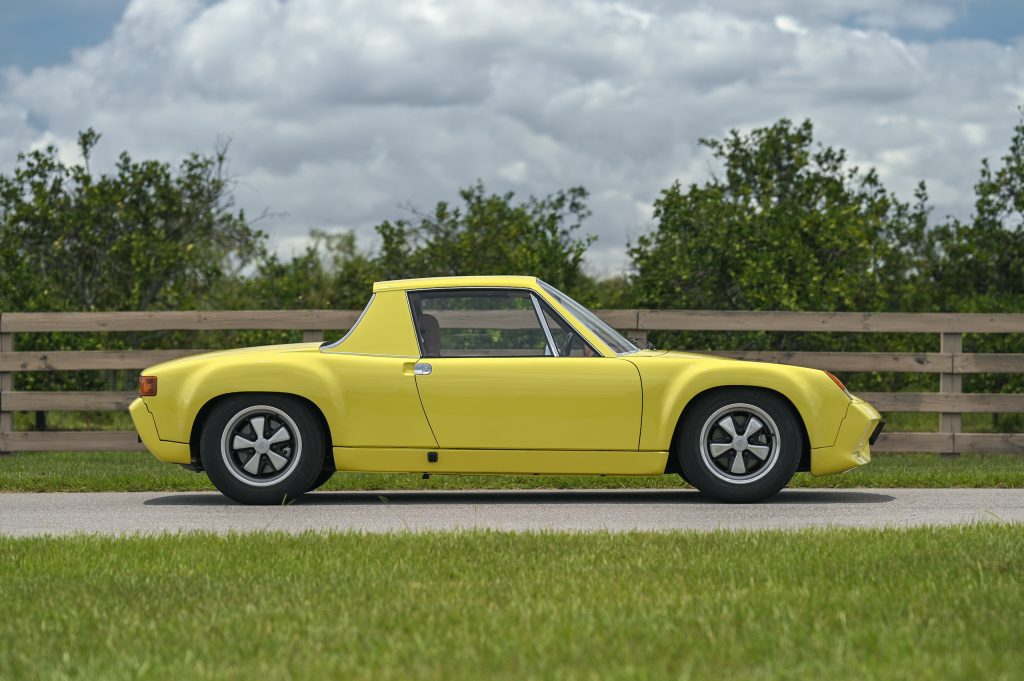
<point x="146" y="237"/>
<point x="331" y="273"/>
<point x="978" y="266"/>
<point x="490" y="234"/>
<point x="788" y="227"/>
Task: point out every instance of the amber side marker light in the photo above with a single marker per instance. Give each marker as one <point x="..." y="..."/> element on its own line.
<point x="830" y="375"/>
<point x="147" y="386"/>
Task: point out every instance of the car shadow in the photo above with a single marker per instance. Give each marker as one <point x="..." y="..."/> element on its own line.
<point x="479" y="497"/>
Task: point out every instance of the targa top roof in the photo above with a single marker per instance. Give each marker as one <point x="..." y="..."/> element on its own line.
<point x="500" y="281"/>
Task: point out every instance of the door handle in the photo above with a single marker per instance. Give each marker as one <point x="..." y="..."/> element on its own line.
<point x="422" y="369"/>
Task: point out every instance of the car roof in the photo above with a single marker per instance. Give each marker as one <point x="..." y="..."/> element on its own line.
<point x="511" y="281"/>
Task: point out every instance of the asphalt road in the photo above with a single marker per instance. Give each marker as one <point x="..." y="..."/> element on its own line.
<point x="576" y="510"/>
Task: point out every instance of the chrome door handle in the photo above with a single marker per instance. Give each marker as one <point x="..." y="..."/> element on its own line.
<point x="422" y="369"/>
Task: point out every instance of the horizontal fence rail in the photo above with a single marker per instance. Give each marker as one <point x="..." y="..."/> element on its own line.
<point x="950" y="363"/>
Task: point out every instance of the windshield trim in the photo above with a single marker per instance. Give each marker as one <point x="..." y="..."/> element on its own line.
<point x="588" y="319"/>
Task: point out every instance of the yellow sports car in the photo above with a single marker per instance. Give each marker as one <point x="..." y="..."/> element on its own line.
<point x="502" y="375"/>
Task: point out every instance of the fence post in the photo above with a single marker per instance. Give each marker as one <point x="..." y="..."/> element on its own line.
<point x="636" y="332"/>
<point x="312" y="336"/>
<point x="952" y="343"/>
<point x="6" y="385"/>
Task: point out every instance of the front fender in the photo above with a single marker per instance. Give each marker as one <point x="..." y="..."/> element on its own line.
<point x="672" y="380"/>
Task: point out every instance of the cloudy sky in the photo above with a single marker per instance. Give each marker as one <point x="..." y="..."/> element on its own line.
<point x="342" y="111"/>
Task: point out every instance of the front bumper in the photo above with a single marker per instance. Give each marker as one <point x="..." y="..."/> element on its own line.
<point x="852" y="447"/>
<point x="145" y="425"/>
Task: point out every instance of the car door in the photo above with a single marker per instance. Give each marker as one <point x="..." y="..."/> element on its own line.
<point x="501" y="370"/>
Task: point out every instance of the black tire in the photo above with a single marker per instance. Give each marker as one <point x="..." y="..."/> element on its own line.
<point x="707" y="450"/>
<point x="325" y="474"/>
<point x="291" y="434"/>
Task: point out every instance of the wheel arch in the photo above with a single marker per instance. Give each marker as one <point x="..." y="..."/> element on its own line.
<point x="672" y="465"/>
<point x="204" y="411"/>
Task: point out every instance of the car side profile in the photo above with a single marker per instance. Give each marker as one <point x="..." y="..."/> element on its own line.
<point x="493" y="375"/>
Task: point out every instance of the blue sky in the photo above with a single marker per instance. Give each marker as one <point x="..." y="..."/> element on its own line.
<point x="997" y="20"/>
<point x="44" y="32"/>
<point x="342" y="113"/>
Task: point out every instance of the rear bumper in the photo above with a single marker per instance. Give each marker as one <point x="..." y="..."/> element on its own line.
<point x="145" y="425"/>
<point x="852" y="447"/>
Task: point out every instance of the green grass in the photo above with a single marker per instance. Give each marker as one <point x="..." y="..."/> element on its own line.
<point x="926" y="603"/>
<point x="135" y="472"/>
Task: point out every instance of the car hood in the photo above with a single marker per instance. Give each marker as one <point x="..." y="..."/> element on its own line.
<point x="676" y="354"/>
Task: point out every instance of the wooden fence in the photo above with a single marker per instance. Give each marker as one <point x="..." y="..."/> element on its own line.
<point x="951" y="363"/>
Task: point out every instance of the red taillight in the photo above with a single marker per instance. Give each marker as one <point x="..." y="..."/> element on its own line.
<point x="838" y="382"/>
<point x="147" y="386"/>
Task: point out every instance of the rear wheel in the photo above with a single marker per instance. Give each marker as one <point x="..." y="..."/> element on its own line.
<point x="262" y="449"/>
<point x="739" y="445"/>
<point x="325" y="474"/>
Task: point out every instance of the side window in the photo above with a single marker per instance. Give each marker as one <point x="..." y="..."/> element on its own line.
<point x="567" y="341"/>
<point x="478" y="323"/>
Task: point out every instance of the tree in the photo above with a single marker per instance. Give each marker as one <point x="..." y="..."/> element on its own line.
<point x="490" y="234"/>
<point x="978" y="265"/>
<point x="332" y="273"/>
<point x="788" y="226"/>
<point x="144" y="237"/>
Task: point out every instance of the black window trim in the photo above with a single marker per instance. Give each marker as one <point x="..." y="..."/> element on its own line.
<point x="533" y="296"/>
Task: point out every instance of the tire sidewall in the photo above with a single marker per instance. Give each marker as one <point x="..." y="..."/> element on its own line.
<point x="296" y="483"/>
<point x="695" y="469"/>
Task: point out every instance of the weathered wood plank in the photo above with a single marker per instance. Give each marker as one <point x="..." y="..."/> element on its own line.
<point x="183" y="320"/>
<point x="66" y="401"/>
<point x="890" y="322"/>
<point x="651" y="320"/>
<point x="949" y="382"/>
<point x="55" y="441"/>
<point x="963" y="403"/>
<point x="995" y="443"/>
<point x="914" y="442"/>
<point x="903" y="362"/>
<point x="88" y="360"/>
<point x="310" y="320"/>
<point x="619" y="319"/>
<point x="6" y="384"/>
<point x="1002" y="363"/>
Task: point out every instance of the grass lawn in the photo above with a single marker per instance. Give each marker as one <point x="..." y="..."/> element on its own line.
<point x="134" y="471"/>
<point x="926" y="603"/>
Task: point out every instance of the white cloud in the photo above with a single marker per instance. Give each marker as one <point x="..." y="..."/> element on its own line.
<point x="788" y="24"/>
<point x="340" y="112"/>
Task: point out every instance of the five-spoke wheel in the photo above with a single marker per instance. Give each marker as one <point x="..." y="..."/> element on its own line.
<point x="261" y="444"/>
<point x="262" y="449"/>
<point x="739" y="444"/>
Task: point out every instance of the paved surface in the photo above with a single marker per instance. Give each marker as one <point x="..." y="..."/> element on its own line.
<point x="582" y="510"/>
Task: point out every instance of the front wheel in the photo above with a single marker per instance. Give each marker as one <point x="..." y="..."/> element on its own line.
<point x="262" y="449"/>
<point x="739" y="445"/>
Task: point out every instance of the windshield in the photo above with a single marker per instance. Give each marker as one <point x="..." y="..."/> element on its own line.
<point x="612" y="338"/>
